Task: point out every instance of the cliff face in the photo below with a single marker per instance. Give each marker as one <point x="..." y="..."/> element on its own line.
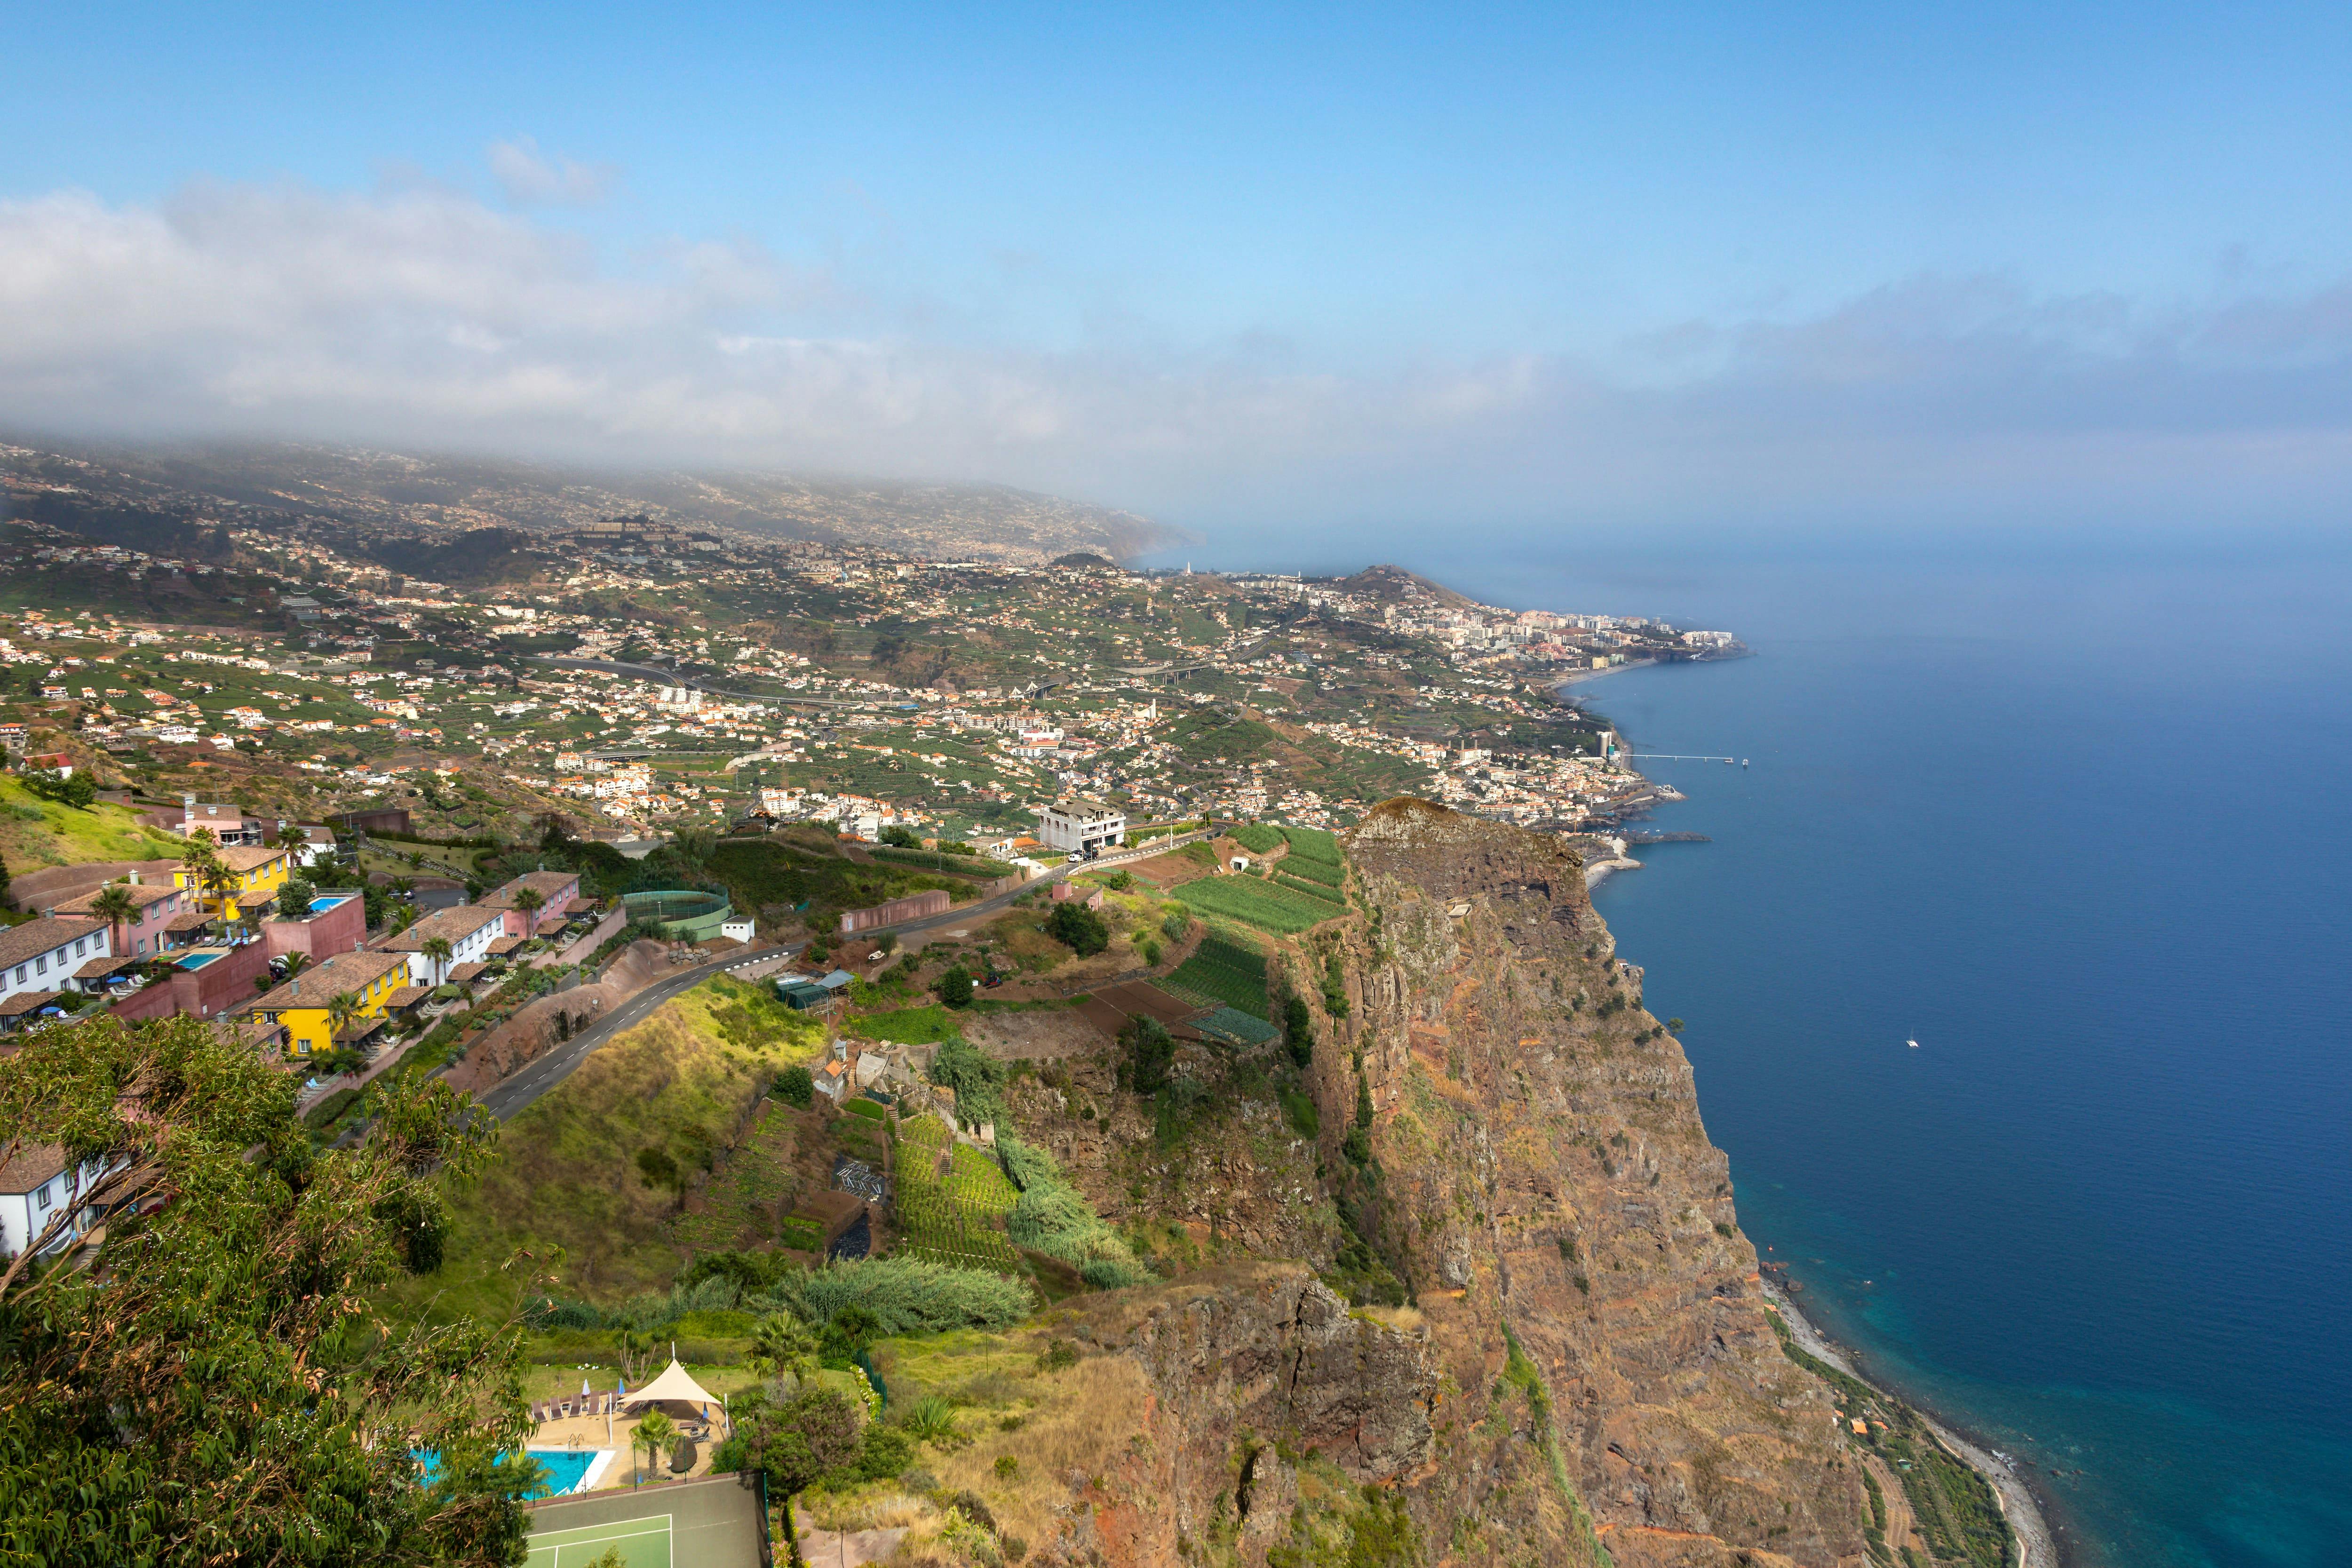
<point x="1586" y="1374"/>
<point x="1546" y="1178"/>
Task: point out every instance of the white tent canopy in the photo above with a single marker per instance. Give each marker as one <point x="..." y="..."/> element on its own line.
<point x="673" y="1384"/>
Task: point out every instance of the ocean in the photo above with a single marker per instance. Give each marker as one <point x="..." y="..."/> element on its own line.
<point x="2079" y="826"/>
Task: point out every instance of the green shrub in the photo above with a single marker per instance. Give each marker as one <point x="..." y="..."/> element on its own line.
<point x="1078" y="928"/>
<point x="955" y="986"/>
<point x="796" y="1086"/>
<point x="978" y="1080"/>
<point x="907" y="1295"/>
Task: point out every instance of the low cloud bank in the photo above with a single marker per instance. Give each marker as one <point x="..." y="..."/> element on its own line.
<point x="423" y="317"/>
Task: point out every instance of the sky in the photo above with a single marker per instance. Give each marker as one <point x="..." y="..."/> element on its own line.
<point x="1335" y="272"/>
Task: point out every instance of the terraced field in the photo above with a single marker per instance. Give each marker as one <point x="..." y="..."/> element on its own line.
<point x="955" y="1216"/>
<point x="1269" y="906"/>
<point x="1226" y="973"/>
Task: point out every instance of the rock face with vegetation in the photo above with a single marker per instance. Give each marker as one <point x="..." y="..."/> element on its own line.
<point x="1585" y="1373"/>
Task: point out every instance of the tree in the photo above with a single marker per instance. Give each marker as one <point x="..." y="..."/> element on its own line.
<point x="955" y="986"/>
<point x="1077" y="928"/>
<point x="200" y="862"/>
<point x="342" y="1008"/>
<point x="1299" y="1029"/>
<point x="784" y="1343"/>
<point x="529" y="900"/>
<point x="76" y="789"/>
<point x="793" y="1441"/>
<point x="978" y="1080"/>
<point x="654" y="1431"/>
<point x="115" y="906"/>
<point x="1150" y="1053"/>
<point x="220" y="1386"/>
<point x="438" y="951"/>
<point x="637" y="1346"/>
<point x="294" y="896"/>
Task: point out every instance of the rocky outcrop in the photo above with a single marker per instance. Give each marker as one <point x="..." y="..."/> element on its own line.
<point x="1586" y="1373"/>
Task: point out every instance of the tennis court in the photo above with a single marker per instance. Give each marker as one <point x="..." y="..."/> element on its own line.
<point x="643" y="1543"/>
<point x="713" y="1522"/>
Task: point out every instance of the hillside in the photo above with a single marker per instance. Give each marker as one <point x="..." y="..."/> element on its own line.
<point x="441" y="517"/>
<point x="572" y="1170"/>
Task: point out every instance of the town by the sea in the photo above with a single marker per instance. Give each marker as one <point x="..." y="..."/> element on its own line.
<point x="2080" y="831"/>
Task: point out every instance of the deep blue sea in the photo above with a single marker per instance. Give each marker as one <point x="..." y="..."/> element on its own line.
<point x="2083" y="829"/>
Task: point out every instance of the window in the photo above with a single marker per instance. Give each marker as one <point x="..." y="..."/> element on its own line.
<point x="20" y="975"/>
<point x="44" y="1196"/>
<point x="78" y="945"/>
<point x="41" y="964"/>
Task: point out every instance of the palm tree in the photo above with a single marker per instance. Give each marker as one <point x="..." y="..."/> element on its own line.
<point x="115" y="906"/>
<point x="653" y="1432"/>
<point x="529" y="900"/>
<point x="437" y="949"/>
<point x="342" y="1008"/>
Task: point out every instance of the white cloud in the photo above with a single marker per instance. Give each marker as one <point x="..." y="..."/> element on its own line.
<point x="530" y="180"/>
<point x="423" y="317"/>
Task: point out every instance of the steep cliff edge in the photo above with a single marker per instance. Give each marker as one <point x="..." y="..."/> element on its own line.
<point x="1585" y="1373"/>
<point x="1541" y="1177"/>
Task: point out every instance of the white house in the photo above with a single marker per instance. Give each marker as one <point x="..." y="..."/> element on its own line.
<point x="1079" y="824"/>
<point x="469" y="930"/>
<point x="34" y="1188"/>
<point x="42" y="955"/>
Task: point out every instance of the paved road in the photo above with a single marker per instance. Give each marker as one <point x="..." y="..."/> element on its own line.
<point x="510" y="1095"/>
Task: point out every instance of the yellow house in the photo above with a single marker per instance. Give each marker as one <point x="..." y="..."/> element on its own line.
<point x="302" y="1009"/>
<point x="256" y="872"/>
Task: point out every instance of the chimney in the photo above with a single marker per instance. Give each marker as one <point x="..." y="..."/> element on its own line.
<point x="135" y="876"/>
<point x="297" y="983"/>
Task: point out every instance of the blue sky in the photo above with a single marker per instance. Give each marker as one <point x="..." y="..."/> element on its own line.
<point x="1779" y="267"/>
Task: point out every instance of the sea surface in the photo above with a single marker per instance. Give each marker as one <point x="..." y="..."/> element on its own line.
<point x="2083" y="827"/>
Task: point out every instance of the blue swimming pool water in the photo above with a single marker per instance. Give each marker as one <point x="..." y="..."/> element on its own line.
<point x="318" y="906"/>
<point x="565" y="1467"/>
<point x="197" y="960"/>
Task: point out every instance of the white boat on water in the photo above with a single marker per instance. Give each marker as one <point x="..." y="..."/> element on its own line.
<point x="1913" y="1044"/>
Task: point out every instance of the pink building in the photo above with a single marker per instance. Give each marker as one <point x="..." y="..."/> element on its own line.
<point x="558" y="892"/>
<point x="336" y="923"/>
<point x="205" y="983"/>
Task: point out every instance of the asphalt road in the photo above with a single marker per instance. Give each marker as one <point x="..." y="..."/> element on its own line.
<point x="511" y="1095"/>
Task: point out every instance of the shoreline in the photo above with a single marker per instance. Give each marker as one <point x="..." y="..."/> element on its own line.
<point x="2019" y="1505"/>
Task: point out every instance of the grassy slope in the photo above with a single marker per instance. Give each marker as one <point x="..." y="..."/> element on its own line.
<point x="65" y="836"/>
<point x="566" y="1175"/>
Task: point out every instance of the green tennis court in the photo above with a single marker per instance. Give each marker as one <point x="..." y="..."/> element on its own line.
<point x="642" y="1543"/>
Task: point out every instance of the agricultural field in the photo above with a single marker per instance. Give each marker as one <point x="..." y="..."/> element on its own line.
<point x="1258" y="838"/>
<point x="1312" y="843"/>
<point x="1328" y="893"/>
<point x="956" y="1218"/>
<point x="1268" y="906"/>
<point x="1223" y="970"/>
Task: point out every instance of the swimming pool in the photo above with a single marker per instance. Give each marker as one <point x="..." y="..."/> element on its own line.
<point x="197" y="960"/>
<point x="568" y="1469"/>
<point x="319" y="906"/>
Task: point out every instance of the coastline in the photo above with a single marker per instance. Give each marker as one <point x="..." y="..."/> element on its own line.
<point x="2019" y="1505"/>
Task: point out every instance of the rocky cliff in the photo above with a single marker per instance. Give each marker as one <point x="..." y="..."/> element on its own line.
<point x="1500" y="1131"/>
